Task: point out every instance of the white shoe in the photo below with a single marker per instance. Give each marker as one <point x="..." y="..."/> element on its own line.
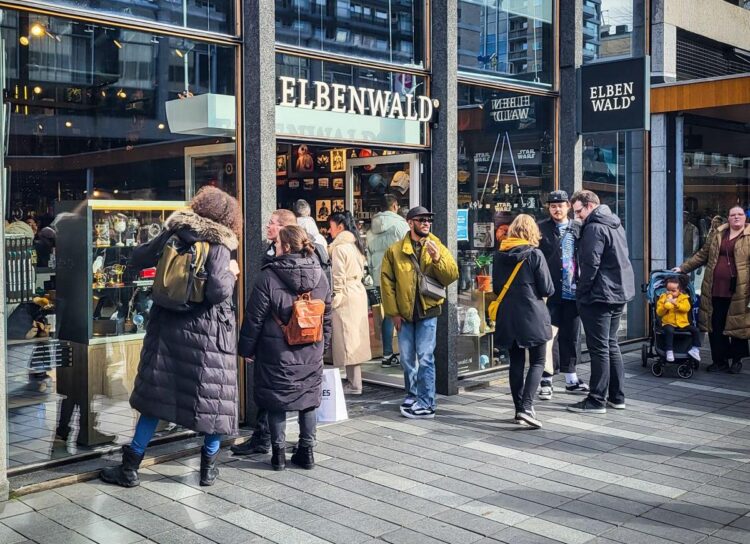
<point x="695" y="353"/>
<point x="670" y="356"/>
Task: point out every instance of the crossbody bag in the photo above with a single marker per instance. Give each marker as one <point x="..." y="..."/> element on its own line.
<point x="495" y="304"/>
<point x="429" y="287"/>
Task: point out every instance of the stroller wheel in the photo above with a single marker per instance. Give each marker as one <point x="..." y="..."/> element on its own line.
<point x="644" y="355"/>
<point x="685" y="371"/>
<point x="657" y="370"/>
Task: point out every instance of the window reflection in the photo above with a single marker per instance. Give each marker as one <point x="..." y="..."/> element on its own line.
<point x="607" y="29"/>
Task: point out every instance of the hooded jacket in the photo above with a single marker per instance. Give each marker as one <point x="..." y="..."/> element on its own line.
<point x="188" y="368"/>
<point x="522" y="316"/>
<point x="386" y="229"/>
<point x="605" y="274"/>
<point x="287" y="378"/>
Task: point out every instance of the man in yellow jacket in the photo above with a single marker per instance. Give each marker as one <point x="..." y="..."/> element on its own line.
<point x="673" y="308"/>
<point x="415" y="312"/>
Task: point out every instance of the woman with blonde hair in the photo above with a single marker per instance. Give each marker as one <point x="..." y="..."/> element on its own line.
<point x="520" y="270"/>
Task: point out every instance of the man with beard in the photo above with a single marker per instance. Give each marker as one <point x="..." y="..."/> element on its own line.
<point x="413" y="312"/>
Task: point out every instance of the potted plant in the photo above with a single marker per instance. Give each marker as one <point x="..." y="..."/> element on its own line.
<point x="484" y="280"/>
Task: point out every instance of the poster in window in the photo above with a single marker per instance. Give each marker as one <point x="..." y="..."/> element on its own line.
<point x="304" y="159"/>
<point x="281" y="165"/>
<point x="308" y="184"/>
<point x="337" y="205"/>
<point x="322" y="210"/>
<point x="483" y="235"/>
<point x="338" y="160"/>
<point x="294" y="184"/>
<point x="338" y="184"/>
<point x="323" y="183"/>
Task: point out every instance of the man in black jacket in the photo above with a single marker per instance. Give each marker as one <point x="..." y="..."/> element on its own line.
<point x="605" y="284"/>
<point x="559" y="238"/>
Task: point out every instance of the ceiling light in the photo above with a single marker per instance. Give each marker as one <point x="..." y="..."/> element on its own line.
<point x="37" y="90"/>
<point x="116" y="191"/>
<point x="118" y="44"/>
<point x="161" y="126"/>
<point x="96" y="193"/>
<point x="24" y="40"/>
<point x="68" y="124"/>
<point x="104" y="93"/>
<point x="121" y="94"/>
<point x="37" y="29"/>
<point x="179" y="53"/>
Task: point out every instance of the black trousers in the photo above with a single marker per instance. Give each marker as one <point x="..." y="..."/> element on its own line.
<point x="566" y="343"/>
<point x="307" y="424"/>
<point x="669" y="331"/>
<point x="523" y="393"/>
<point x="261" y="433"/>
<point x="600" y="323"/>
<point x="723" y="347"/>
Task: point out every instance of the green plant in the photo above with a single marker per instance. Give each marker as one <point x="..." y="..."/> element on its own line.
<point x="483" y="263"/>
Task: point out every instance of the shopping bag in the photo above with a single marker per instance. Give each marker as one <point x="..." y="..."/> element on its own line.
<point x="332" y="402"/>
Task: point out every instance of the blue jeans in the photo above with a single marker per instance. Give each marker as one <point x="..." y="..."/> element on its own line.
<point x="146" y="428"/>
<point x="386" y="334"/>
<point x="416" y="341"/>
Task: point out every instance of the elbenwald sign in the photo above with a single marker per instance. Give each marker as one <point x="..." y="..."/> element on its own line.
<point x="614" y="96"/>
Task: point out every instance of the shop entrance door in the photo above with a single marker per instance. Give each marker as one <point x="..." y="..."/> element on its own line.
<point x="368" y="179"/>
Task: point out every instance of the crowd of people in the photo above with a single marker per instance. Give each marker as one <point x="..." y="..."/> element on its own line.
<point x="551" y="279"/>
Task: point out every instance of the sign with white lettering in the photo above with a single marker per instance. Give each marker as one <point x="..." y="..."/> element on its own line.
<point x="614" y="96"/>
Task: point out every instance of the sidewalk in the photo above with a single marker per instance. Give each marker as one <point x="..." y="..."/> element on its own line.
<point x="673" y="467"/>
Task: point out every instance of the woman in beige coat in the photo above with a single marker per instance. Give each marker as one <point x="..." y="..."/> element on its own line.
<point x="351" y="331"/>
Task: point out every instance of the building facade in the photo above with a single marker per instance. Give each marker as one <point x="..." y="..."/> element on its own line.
<point x="116" y="114"/>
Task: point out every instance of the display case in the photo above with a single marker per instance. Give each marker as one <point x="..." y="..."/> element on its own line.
<point x="103" y="306"/>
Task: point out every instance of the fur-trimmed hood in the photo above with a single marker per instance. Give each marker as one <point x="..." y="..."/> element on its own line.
<point x="204" y="229"/>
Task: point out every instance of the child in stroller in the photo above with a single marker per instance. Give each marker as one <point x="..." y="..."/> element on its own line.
<point x="674" y="338"/>
<point x="674" y="308"/>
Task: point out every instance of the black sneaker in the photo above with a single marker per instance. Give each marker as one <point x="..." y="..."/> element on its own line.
<point x="417" y="412"/>
<point x="390" y="361"/>
<point x="249" y="447"/>
<point x="529" y="417"/>
<point x="717" y="367"/>
<point x="587" y="407"/>
<point x="407" y="404"/>
<point x="577" y="388"/>
<point x="545" y="390"/>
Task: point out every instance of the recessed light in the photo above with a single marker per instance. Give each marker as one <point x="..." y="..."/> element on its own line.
<point x="37" y="29"/>
<point x="161" y="126"/>
<point x="118" y="44"/>
<point x="24" y="40"/>
<point x="122" y="94"/>
<point x="37" y="90"/>
<point x="68" y="124"/>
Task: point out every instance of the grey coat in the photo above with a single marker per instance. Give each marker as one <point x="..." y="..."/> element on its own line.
<point x="188" y="368"/>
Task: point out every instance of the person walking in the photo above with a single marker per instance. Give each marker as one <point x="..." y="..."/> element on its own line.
<point x="559" y="238"/>
<point x="387" y="228"/>
<point x="523" y="322"/>
<point x="350" y="340"/>
<point x="724" y="311"/>
<point x="409" y="263"/>
<point x="605" y="284"/>
<point x="188" y="369"/>
<point x="286" y="378"/>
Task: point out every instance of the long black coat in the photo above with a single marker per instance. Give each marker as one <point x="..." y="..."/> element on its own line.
<point x="522" y="317"/>
<point x="549" y="245"/>
<point x="287" y="378"/>
<point x="188" y="368"/>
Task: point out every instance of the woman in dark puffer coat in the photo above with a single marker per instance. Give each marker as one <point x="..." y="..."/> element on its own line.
<point x="188" y="369"/>
<point x="287" y="378"/>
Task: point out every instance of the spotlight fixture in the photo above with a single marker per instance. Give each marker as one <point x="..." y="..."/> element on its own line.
<point x="122" y="94"/>
<point x="117" y="44"/>
<point x="116" y="191"/>
<point x="104" y="93"/>
<point x="37" y="30"/>
<point x="37" y="90"/>
<point x="68" y="124"/>
<point x="24" y="40"/>
<point x="161" y="126"/>
<point x="179" y="53"/>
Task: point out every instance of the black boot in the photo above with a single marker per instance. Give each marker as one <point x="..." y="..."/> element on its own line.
<point x="209" y="472"/>
<point x="256" y="444"/>
<point x="126" y="474"/>
<point x="278" y="458"/>
<point x="303" y="457"/>
<point x="721" y="366"/>
<point x="736" y="367"/>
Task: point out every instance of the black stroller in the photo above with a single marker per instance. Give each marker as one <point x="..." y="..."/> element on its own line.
<point x="654" y="349"/>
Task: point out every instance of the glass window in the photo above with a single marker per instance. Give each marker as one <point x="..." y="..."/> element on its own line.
<point x="374" y="29"/>
<point x="208" y="15"/>
<point x="508" y="39"/>
<point x="505" y="167"/>
<point x="607" y="29"/>
<point x="100" y="149"/>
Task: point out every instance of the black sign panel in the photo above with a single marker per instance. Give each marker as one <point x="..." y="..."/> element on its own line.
<point x="614" y="96"/>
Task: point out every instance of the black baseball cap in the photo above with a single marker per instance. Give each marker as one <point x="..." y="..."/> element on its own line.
<point x="418" y="211"/>
<point x="557" y="196"/>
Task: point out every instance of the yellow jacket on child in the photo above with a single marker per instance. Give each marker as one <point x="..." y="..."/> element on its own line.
<point x="675" y="314"/>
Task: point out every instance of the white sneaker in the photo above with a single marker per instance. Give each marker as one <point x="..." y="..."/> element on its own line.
<point x="670" y="356"/>
<point x="695" y="353"/>
<point x="546" y="390"/>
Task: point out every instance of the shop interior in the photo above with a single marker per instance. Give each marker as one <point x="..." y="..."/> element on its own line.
<point x="332" y="178"/>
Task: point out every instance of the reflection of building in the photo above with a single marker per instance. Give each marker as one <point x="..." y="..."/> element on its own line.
<point x="614" y="42"/>
<point x="592" y="17"/>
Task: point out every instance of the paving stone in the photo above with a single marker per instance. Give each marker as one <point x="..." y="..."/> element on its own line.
<point x="476" y="524"/>
<point x="223" y="532"/>
<point x="13" y="508"/>
<point x="71" y="515"/>
<point x="145" y="523"/>
<point x="257" y="523"/>
<point x="108" y="532"/>
<point x="181" y="536"/>
<point x="43" y="499"/>
<point x="514" y="535"/>
<point x="210" y="504"/>
<point x="80" y="490"/>
<point x="681" y="520"/>
<point x="170" y="488"/>
<point x="664" y="530"/>
<point x="330" y="531"/>
<point x="407" y="536"/>
<point x="362" y="522"/>
<point x="179" y="514"/>
<point x="515" y="503"/>
<point x="554" y="531"/>
<point x="629" y="536"/>
<point x="139" y="496"/>
<point x="9" y="536"/>
<point x="578" y="522"/>
<point x="594" y="511"/>
<point x="106" y="506"/>
<point x="616" y="503"/>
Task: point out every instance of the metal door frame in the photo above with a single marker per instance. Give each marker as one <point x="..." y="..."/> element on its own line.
<point x="414" y="180"/>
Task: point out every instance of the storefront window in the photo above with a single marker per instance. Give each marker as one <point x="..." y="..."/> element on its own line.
<point x="383" y="30"/>
<point x="208" y="15"/>
<point x="512" y="39"/>
<point x="607" y="29"/>
<point x="106" y="136"/>
<point x="505" y="167"/>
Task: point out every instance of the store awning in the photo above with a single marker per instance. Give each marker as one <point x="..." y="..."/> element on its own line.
<point x="723" y="98"/>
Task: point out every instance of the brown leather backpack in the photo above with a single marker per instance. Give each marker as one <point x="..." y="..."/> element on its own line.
<point x="306" y="324"/>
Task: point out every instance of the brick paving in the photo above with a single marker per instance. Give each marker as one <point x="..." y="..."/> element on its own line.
<point x="673" y="467"/>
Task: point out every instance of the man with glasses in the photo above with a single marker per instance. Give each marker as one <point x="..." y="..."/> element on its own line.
<point x="559" y="237"/>
<point x="605" y="284"/>
<point x="413" y="310"/>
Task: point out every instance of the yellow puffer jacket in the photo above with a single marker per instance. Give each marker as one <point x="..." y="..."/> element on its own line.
<point x="675" y="314"/>
<point x="398" y="278"/>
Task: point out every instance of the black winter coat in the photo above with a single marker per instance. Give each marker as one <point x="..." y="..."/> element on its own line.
<point x="522" y="317"/>
<point x="287" y="378"/>
<point x="188" y="368"/>
<point x="549" y="245"/>
<point x="604" y="270"/>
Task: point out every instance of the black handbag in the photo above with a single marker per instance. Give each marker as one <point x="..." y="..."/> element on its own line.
<point x="429" y="287"/>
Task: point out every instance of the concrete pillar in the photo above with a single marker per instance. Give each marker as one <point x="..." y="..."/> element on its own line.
<point x="259" y="140"/>
<point x="659" y="202"/>
<point x="444" y="169"/>
<point x="663" y="45"/>
<point x="571" y="57"/>
<point x="4" y="488"/>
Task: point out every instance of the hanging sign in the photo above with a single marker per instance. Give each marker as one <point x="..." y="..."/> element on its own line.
<point x="335" y="97"/>
<point x="614" y="96"/>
